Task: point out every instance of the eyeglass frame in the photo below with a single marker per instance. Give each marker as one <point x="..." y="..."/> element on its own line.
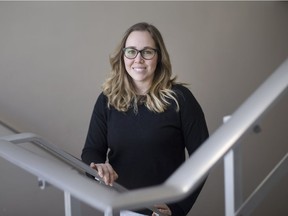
<point x="140" y="51"/>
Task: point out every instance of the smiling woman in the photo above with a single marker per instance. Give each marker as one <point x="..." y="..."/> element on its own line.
<point x="53" y="60"/>
<point x="144" y="118"/>
<point x="132" y="77"/>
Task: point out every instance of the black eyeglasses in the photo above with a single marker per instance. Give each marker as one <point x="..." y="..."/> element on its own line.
<point x="146" y="53"/>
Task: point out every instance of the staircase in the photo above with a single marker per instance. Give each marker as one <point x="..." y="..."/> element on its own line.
<point x="224" y="143"/>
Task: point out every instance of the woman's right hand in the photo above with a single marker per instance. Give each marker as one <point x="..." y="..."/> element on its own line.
<point x="106" y="172"/>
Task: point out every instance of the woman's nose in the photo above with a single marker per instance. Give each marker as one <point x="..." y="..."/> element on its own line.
<point x="139" y="58"/>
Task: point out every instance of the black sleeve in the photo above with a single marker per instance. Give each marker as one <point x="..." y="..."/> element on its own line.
<point x="95" y="148"/>
<point x="195" y="132"/>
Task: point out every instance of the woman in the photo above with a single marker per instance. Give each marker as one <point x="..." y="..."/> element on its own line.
<point x="144" y="118"/>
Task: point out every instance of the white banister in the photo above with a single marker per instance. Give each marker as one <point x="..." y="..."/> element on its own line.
<point x="179" y="185"/>
<point x="60" y="176"/>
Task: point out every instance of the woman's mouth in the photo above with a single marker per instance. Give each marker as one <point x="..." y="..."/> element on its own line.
<point x="139" y="69"/>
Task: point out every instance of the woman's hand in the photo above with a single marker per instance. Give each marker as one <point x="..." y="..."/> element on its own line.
<point x="106" y="172"/>
<point x="163" y="208"/>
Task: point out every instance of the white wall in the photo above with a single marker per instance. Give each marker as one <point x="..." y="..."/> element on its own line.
<point x="54" y="58"/>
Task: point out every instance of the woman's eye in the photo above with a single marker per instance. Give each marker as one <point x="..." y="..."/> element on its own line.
<point x="147" y="52"/>
<point x="131" y="52"/>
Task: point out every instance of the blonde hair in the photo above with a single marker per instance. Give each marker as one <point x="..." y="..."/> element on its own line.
<point x="119" y="87"/>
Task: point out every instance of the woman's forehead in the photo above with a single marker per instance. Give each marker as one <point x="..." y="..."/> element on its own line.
<point x="140" y="39"/>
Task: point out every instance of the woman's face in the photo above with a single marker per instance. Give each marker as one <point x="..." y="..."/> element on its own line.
<point x="140" y="69"/>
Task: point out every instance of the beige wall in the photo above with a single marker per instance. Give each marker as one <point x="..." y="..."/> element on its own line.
<point x="54" y="57"/>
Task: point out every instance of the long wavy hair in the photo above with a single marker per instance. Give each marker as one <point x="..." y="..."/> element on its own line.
<point x="119" y="87"/>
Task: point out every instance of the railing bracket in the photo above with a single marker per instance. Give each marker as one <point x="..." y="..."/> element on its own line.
<point x="42" y="183"/>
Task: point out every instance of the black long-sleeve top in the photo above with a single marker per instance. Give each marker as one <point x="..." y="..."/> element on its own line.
<point x="147" y="147"/>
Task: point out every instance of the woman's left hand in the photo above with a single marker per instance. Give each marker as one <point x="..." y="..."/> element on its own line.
<point x="163" y="208"/>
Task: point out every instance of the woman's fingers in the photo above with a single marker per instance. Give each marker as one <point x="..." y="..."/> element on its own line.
<point x="163" y="208"/>
<point x="105" y="171"/>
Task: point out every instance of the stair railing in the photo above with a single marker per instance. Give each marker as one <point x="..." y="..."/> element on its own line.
<point x="180" y="184"/>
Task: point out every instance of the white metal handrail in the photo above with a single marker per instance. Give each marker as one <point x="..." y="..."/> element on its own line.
<point x="59" y="176"/>
<point x="219" y="143"/>
<point x="66" y="157"/>
<point x="179" y="184"/>
<point x="58" y="152"/>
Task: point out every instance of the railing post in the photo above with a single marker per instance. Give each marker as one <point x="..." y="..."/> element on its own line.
<point x="72" y="205"/>
<point x="112" y="213"/>
<point x="232" y="179"/>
